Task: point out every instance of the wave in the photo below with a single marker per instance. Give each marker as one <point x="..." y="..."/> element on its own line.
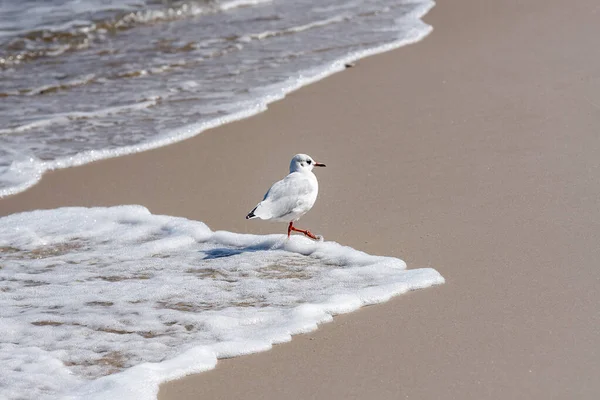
<point x="295" y="29"/>
<point x="118" y="300"/>
<point x="186" y="105"/>
<point x="53" y="41"/>
<point x="66" y="117"/>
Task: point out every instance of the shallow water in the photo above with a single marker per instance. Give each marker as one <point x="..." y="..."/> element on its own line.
<point x="86" y="80"/>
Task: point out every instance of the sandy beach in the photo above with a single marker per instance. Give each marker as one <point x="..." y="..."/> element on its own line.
<point x="474" y="152"/>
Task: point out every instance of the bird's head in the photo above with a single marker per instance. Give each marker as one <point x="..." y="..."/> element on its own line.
<point x="303" y="162"/>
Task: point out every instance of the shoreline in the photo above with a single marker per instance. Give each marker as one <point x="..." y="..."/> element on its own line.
<point x="190" y="131"/>
<point x="473" y="151"/>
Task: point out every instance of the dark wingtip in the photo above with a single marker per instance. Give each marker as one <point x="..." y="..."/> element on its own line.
<point x="251" y="213"/>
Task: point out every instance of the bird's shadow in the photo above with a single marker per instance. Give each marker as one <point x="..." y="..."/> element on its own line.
<point x="221" y="252"/>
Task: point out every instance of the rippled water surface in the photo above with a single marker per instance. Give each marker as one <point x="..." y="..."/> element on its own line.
<point x="85" y="80"/>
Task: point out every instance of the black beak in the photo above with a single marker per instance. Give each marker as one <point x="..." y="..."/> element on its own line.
<point x="319" y="165"/>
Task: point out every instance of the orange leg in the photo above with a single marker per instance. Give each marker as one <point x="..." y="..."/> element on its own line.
<point x="291" y="228"/>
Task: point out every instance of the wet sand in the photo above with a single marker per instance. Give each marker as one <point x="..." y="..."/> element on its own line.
<point x="474" y="152"/>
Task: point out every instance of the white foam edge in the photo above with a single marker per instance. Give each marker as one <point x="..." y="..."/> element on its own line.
<point x="142" y="382"/>
<point x="228" y="5"/>
<point x="418" y="33"/>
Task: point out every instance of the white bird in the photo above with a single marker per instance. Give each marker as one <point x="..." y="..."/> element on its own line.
<point x="292" y="197"/>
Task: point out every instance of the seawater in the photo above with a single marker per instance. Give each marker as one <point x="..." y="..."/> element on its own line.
<point x="87" y="80"/>
<point x="107" y="303"/>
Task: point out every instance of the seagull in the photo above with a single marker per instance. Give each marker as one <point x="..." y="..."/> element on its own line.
<point x="292" y="197"/>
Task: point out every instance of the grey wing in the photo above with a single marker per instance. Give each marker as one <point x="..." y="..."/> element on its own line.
<point x="287" y="194"/>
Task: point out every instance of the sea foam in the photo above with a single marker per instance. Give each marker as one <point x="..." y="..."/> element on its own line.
<point x="107" y="303"/>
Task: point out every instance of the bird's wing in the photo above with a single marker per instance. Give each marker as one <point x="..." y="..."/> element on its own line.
<point x="284" y="196"/>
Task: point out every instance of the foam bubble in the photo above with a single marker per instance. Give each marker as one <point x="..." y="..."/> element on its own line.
<point x="105" y="303"/>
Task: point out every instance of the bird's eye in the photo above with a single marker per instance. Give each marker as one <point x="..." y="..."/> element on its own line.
<point x="309" y="162"/>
